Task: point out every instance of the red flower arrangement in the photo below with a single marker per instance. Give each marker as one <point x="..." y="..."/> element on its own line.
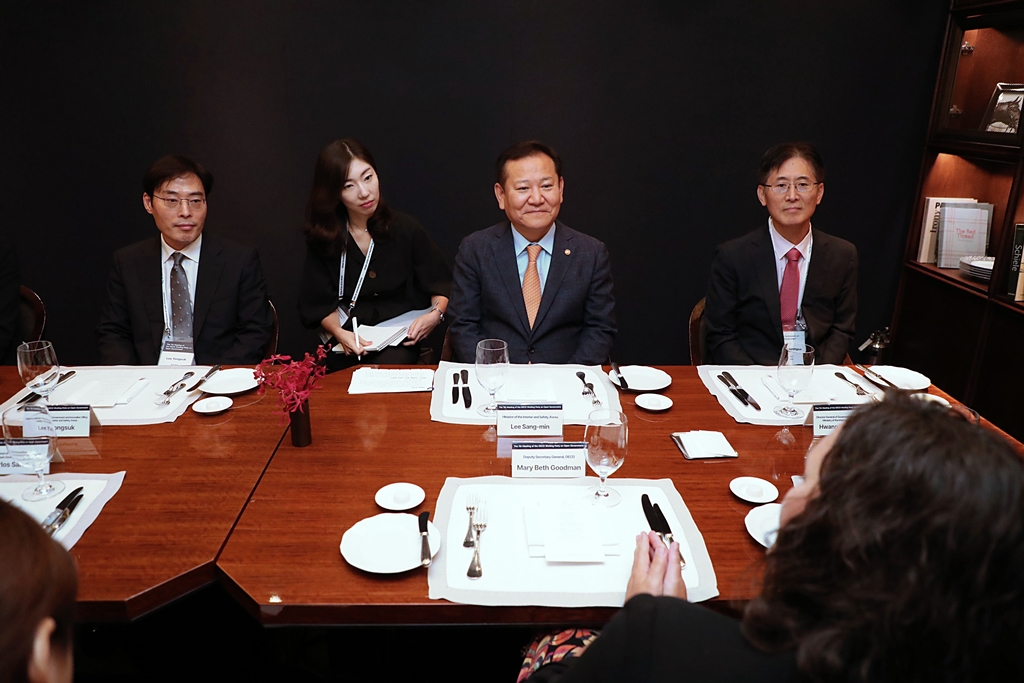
<point x="293" y="379"/>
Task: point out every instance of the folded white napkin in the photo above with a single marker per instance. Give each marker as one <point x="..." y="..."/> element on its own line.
<point x="702" y="444"/>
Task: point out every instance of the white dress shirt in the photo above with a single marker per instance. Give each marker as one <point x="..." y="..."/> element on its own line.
<point x="191" y="266"/>
<point x="547" y="244"/>
<point x="782" y="247"/>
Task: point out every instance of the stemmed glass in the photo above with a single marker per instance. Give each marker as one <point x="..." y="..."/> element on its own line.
<point x="31" y="442"/>
<point x="796" y="366"/>
<point x="38" y="367"/>
<point x="491" y="368"/>
<point x="607" y="438"/>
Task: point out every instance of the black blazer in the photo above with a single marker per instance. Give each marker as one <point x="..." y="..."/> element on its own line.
<point x="744" y="322"/>
<point x="576" y="319"/>
<point x="232" y="322"/>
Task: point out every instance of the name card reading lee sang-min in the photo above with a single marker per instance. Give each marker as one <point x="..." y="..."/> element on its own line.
<point x="549" y="459"/>
<point x="529" y="419"/>
<point x="828" y="416"/>
<point x="70" y="420"/>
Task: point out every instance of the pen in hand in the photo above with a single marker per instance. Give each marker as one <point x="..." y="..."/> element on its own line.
<point x="355" y="331"/>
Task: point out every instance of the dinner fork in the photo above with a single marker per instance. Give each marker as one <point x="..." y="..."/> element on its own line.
<point x="471" y="503"/>
<point x="168" y="396"/>
<point x="479" y="524"/>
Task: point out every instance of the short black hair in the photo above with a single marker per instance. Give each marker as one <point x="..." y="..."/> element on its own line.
<point x="521" y="150"/>
<point x="779" y="154"/>
<point x="175" y="166"/>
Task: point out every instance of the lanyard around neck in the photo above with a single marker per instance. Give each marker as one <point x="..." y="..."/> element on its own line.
<point x="359" y="282"/>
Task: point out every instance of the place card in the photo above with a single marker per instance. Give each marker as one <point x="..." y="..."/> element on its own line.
<point x="828" y="416"/>
<point x="71" y="420"/>
<point x="549" y="459"/>
<point x="529" y="419"/>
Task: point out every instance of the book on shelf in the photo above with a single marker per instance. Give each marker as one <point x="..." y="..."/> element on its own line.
<point x="1014" y="288"/>
<point x="963" y="231"/>
<point x="926" y="252"/>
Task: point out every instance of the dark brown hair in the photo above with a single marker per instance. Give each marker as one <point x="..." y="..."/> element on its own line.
<point x="909" y="563"/>
<point x="175" y="166"/>
<point x="37" y="580"/>
<point x="779" y="154"/>
<point x="521" y="150"/>
<point x="325" y="213"/>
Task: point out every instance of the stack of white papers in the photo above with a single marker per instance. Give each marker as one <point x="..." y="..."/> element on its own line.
<point x="376" y="381"/>
<point x="702" y="444"/>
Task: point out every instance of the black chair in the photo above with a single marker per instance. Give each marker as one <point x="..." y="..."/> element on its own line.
<point x="33" y="315"/>
<point x="271" y="348"/>
<point x="698" y="332"/>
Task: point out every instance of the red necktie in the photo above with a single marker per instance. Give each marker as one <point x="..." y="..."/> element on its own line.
<point x="789" y="293"/>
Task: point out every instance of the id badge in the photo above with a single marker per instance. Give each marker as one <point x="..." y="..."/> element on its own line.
<point x="795" y="339"/>
<point x="177" y="352"/>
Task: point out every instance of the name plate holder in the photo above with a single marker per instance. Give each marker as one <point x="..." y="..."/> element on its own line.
<point x="529" y="419"/>
<point x="828" y="416"/>
<point x="71" y="420"/>
<point x="549" y="460"/>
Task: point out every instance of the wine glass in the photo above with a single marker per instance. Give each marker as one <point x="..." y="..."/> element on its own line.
<point x="796" y="366"/>
<point x="491" y="368"/>
<point x="31" y="442"/>
<point x="38" y="367"/>
<point x="607" y="438"/>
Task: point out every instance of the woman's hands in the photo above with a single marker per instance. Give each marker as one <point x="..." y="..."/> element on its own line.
<point x="421" y="327"/>
<point x="343" y="337"/>
<point x="656" y="568"/>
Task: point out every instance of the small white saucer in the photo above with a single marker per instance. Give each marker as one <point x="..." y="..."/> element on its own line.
<point x="654" y="402"/>
<point x="213" y="405"/>
<point x="933" y="398"/>
<point x="754" y="490"/>
<point x="762" y="523"/>
<point x="399" y="496"/>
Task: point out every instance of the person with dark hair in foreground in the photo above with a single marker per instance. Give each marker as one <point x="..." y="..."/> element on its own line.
<point x="38" y="585"/>
<point x="365" y="261"/>
<point x="184" y="292"/>
<point x="531" y="280"/>
<point x="899" y="558"/>
<point x="783" y="279"/>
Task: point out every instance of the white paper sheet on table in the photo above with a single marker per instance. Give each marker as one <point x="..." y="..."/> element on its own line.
<point x="97" y="489"/>
<point x="104" y="381"/>
<point x="512" y="577"/>
<point x="825" y="387"/>
<point x="380" y="381"/>
<point x="526" y="383"/>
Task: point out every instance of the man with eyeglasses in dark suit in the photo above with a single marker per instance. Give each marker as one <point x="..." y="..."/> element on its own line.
<point x="783" y="282"/>
<point x="183" y="297"/>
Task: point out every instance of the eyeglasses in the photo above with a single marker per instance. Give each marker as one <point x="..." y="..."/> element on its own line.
<point x="173" y="202"/>
<point x="803" y="187"/>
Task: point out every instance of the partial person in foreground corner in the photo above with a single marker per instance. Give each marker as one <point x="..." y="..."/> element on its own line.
<point x="198" y="291"/>
<point x="531" y="280"/>
<point x="784" y="278"/>
<point x="898" y="559"/>
<point x="10" y="303"/>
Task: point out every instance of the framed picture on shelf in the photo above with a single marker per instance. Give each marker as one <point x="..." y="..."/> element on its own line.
<point x="1003" y="113"/>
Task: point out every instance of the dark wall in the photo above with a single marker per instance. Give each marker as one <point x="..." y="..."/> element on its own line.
<point x="661" y="111"/>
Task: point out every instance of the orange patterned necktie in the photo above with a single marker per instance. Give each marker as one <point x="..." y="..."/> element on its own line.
<point x="531" y="283"/>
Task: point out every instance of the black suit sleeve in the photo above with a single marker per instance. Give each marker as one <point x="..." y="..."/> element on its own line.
<point x="598" y="333"/>
<point x="10" y="303"/>
<point x="720" y="313"/>
<point x="255" y="321"/>
<point x="464" y="309"/>
<point x="116" y="345"/>
<point x="834" y="344"/>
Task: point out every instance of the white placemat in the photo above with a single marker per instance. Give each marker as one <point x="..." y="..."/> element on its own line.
<point x="760" y="382"/>
<point x="97" y="489"/>
<point x="142" y="410"/>
<point x="540" y="382"/>
<point x="512" y="577"/>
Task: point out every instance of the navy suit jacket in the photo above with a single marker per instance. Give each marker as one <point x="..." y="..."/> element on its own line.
<point x="576" y="319"/>
<point x="742" y="313"/>
<point x="231" y="318"/>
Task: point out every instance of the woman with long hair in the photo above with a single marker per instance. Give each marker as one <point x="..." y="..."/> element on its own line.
<point x="365" y="261"/>
<point x="899" y="558"/>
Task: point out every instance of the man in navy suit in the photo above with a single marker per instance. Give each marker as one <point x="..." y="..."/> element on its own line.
<point x="209" y="288"/>
<point x="744" y="311"/>
<point x="532" y="280"/>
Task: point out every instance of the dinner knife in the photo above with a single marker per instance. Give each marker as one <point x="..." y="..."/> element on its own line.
<point x="424" y="539"/>
<point x="467" y="395"/>
<point x="207" y="376"/>
<point x="652" y="519"/>
<point x="618" y="373"/>
<point x="735" y="393"/>
<point x="746" y="397"/>
<point x="455" y="388"/>
<point x="666" y="533"/>
<point x="64" y="516"/>
<point x="33" y="396"/>
<point x="52" y="517"/>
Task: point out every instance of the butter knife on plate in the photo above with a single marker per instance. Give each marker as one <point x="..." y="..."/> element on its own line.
<point x="425" y="558"/>
<point x="618" y="373"/>
<point x="875" y="377"/>
<point x="211" y="373"/>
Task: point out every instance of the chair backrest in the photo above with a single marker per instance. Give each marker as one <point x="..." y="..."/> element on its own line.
<point x="698" y="332"/>
<point x="271" y="348"/>
<point x="33" y="315"/>
<point x="446" y="348"/>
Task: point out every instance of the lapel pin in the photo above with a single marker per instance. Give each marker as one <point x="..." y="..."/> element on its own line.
<point x="568" y="251"/>
<point x="372" y="274"/>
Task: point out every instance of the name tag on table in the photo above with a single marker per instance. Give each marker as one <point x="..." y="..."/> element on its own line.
<point x="549" y="459"/>
<point x="71" y="420"/>
<point x="178" y="352"/>
<point x="9" y="466"/>
<point x="529" y="419"/>
<point x="828" y="416"/>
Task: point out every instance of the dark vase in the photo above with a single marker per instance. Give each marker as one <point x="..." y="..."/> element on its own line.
<point x="301" y="435"/>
